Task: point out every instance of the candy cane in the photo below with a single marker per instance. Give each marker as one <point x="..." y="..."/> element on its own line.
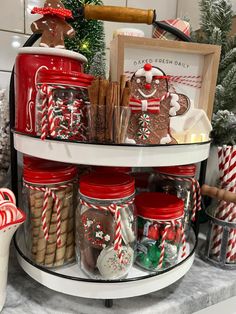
<point x="195" y="189"/>
<point x="172" y="224"/>
<point x="44" y="123"/>
<point x="8" y="212"/>
<point x="6" y="194"/>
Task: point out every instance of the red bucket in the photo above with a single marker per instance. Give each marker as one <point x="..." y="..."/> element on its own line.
<point x="29" y="62"/>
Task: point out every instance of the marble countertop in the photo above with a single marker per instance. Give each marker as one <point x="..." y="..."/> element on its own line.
<point x="202" y="286"/>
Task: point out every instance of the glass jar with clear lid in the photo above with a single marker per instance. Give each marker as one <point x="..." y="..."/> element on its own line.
<point x="180" y="181"/>
<point x="49" y="199"/>
<point x="62" y="108"/>
<point x="160" y="230"/>
<point x="106" y="225"/>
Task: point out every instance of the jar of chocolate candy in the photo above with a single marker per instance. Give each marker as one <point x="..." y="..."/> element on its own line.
<point x="49" y="199"/>
<point x="106" y="225"/>
<point x="180" y="181"/>
<point x="160" y="230"/>
<point x="62" y="110"/>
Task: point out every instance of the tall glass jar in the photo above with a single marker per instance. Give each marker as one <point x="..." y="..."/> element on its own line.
<point x="62" y="110"/>
<point x="106" y="225"/>
<point x="180" y="181"/>
<point x="160" y="230"/>
<point x="49" y="199"/>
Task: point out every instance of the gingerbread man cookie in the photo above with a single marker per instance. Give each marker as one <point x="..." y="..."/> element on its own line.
<point x="152" y="105"/>
<point x="52" y="25"/>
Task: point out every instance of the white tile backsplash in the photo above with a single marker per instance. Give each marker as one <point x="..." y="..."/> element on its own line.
<point x="5" y="80"/>
<point x="164" y="9"/>
<point x="10" y="42"/>
<point x="190" y="9"/>
<point x="29" y="18"/>
<point x="12" y="15"/>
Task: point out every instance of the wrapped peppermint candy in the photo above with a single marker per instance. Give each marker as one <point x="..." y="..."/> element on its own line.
<point x="160" y="230"/>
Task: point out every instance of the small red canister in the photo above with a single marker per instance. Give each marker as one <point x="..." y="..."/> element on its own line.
<point x="160" y="230"/>
<point x="62" y="110"/>
<point x="29" y="62"/>
<point x="49" y="199"/>
<point x="106" y="225"/>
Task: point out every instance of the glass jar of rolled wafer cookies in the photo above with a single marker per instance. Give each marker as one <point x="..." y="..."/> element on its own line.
<point x="49" y="199"/>
<point x="106" y="225"/>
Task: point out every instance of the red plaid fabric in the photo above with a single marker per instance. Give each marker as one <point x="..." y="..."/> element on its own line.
<point x="178" y="23"/>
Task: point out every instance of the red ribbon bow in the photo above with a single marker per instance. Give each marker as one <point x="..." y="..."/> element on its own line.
<point x="60" y="12"/>
<point x="150" y="105"/>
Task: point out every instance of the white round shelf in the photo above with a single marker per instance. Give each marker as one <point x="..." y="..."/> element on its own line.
<point x="112" y="155"/>
<point x="71" y="280"/>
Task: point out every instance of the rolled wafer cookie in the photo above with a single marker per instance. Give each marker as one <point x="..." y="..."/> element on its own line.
<point x="54" y="254"/>
<point x="42" y="243"/>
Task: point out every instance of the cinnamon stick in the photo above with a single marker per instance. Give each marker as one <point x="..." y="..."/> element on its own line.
<point x="122" y="85"/>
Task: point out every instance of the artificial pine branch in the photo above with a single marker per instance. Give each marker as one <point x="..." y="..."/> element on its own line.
<point x="216" y="22"/>
<point x="229" y="58"/>
<point x="90" y="36"/>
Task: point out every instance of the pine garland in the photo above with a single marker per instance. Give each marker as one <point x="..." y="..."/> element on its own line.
<point x="90" y="36"/>
<point x="216" y="23"/>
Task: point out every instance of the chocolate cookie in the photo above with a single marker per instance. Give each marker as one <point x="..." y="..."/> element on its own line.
<point x="97" y="228"/>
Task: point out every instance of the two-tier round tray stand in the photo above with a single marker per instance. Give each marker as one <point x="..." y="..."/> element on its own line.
<point x="70" y="279"/>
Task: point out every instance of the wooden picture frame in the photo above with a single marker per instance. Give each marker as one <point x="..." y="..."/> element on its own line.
<point x="201" y="59"/>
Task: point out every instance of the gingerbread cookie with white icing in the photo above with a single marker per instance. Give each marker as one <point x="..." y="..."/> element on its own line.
<point x="152" y="105"/>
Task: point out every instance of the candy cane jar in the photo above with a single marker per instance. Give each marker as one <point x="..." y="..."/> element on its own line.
<point x="62" y="106"/>
<point x="106" y="225"/>
<point x="180" y="181"/>
<point x="160" y="230"/>
<point x="49" y="199"/>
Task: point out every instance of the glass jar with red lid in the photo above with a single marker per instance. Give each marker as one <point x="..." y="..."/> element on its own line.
<point x="62" y="108"/>
<point x="49" y="199"/>
<point x="160" y="230"/>
<point x="106" y="225"/>
<point x="181" y="181"/>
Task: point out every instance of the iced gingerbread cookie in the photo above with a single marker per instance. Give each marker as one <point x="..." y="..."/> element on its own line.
<point x="52" y="25"/>
<point x="97" y="228"/>
<point x="109" y="265"/>
<point x="152" y="105"/>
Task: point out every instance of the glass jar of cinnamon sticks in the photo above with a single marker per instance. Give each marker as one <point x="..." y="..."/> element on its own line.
<point x="109" y="110"/>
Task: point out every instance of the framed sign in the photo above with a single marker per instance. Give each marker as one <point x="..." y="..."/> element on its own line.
<point x="190" y="71"/>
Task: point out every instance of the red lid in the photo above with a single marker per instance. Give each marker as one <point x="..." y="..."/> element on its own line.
<point x="102" y="169"/>
<point x="27" y="160"/>
<point x="160" y="206"/>
<point x="48" y="172"/>
<point x="68" y="78"/>
<point x="105" y="186"/>
<point x="185" y="170"/>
